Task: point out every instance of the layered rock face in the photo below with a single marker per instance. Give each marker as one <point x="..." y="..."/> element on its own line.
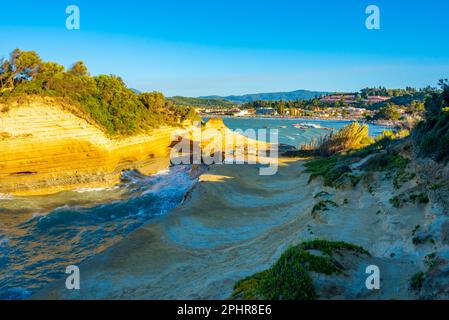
<point x="48" y="146"/>
<point x="45" y="148"/>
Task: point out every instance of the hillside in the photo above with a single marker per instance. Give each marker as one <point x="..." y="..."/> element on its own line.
<point x="286" y="96"/>
<point x="200" y="102"/>
<point x="117" y="109"/>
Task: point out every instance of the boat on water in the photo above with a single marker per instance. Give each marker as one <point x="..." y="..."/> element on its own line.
<point x="305" y="125"/>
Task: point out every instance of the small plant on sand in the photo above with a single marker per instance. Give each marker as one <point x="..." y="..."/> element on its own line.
<point x="423" y="239"/>
<point x="431" y="259"/>
<point x="416" y="282"/>
<point x="321" y="194"/>
<point x="322" y="167"/>
<point x="396" y="202"/>
<point x="421" y="198"/>
<point x="415" y="230"/>
<point x="289" y="278"/>
<point x="386" y="162"/>
<point x="323" y="206"/>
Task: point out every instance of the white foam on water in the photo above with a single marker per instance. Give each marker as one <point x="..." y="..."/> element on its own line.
<point x="85" y="190"/>
<point x="163" y="172"/>
<point x="6" y="197"/>
<point x="3" y="241"/>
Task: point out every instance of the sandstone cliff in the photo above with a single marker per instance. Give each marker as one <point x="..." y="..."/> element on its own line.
<point x="46" y="148"/>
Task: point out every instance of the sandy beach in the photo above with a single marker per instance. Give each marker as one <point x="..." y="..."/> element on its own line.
<point x="235" y="223"/>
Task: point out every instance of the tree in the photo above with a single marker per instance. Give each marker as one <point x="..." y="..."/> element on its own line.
<point x="444" y="85"/>
<point x="388" y="112"/>
<point x="437" y="99"/>
<point x="152" y="100"/>
<point x="416" y="107"/>
<point x="79" y="69"/>
<point x="48" y="70"/>
<point x="21" y="66"/>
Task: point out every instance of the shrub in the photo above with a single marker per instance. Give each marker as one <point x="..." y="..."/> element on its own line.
<point x="432" y="135"/>
<point x="352" y="136"/>
<point x="289" y="278"/>
<point x="416" y="282"/>
<point x="323" y="206"/>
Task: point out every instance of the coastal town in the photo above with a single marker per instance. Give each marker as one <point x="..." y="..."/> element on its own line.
<point x="381" y="109"/>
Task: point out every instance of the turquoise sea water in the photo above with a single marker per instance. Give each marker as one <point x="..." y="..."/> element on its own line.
<point x="290" y="135"/>
<point x="40" y="236"/>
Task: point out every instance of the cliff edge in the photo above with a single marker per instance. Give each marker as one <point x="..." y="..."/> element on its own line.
<point x="47" y="148"/>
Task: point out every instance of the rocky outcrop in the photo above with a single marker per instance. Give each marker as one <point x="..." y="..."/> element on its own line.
<point x="46" y="148"/>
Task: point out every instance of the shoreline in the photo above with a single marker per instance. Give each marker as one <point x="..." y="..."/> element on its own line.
<point x="378" y="123"/>
<point x="226" y="230"/>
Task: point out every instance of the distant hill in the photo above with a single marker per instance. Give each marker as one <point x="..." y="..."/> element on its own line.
<point x="286" y="96"/>
<point x="201" y="102"/>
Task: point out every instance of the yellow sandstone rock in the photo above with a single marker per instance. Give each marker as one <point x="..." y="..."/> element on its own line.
<point x="48" y="146"/>
<point x="45" y="148"/>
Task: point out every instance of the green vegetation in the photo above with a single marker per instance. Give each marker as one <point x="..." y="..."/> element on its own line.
<point x="421" y="198"/>
<point x="396" y="202"/>
<point x="201" y="102"/>
<point x="422" y="239"/>
<point x="430" y="259"/>
<point x="323" y="206"/>
<point x="417" y="280"/>
<point x="431" y="136"/>
<point x="388" y="112"/>
<point x="415" y="230"/>
<point x="324" y="167"/>
<point x="386" y="162"/>
<point x="297" y="95"/>
<point x="336" y="167"/>
<point x="409" y="100"/>
<point x="289" y="278"/>
<point x="333" y="170"/>
<point x="401" y="200"/>
<point x="384" y="92"/>
<point x="104" y="98"/>
<point x="392" y="163"/>
<point x="321" y="194"/>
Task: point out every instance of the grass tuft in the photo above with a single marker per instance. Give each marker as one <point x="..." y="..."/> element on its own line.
<point x="289" y="278"/>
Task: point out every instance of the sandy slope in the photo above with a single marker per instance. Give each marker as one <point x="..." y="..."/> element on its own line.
<point x="236" y="222"/>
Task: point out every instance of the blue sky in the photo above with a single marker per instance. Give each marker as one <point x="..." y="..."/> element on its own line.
<point x="203" y="47"/>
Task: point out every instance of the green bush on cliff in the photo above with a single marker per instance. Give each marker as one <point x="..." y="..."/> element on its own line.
<point x="289" y="278"/>
<point x="104" y="98"/>
<point x="431" y="136"/>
